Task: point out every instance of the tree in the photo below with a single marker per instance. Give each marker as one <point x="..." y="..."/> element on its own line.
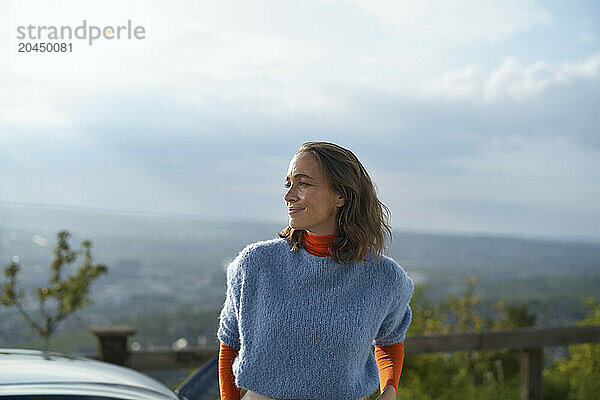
<point x="63" y="295"/>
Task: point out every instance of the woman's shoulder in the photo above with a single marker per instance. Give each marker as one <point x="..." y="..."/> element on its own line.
<point x="392" y="271"/>
<point x="253" y="257"/>
<point x="263" y="249"/>
<point x="265" y="246"/>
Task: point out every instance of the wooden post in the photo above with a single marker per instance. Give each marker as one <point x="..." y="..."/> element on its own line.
<point x="112" y="344"/>
<point x="531" y="373"/>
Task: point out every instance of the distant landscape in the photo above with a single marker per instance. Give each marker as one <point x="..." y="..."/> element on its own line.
<point x="167" y="273"/>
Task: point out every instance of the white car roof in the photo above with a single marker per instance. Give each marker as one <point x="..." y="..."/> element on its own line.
<point x="36" y="372"/>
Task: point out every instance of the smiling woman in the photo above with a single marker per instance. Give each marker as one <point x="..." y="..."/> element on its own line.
<point x="330" y="192"/>
<point x="312" y="204"/>
<point x="302" y="312"/>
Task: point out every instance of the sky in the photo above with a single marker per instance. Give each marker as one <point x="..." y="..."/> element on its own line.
<point x="471" y="116"/>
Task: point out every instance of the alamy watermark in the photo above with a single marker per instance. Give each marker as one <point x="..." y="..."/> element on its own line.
<point x="90" y="33"/>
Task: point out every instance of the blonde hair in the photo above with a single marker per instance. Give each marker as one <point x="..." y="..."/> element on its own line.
<point x="363" y="225"/>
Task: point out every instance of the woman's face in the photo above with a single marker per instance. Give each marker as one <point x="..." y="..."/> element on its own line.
<point x="311" y="203"/>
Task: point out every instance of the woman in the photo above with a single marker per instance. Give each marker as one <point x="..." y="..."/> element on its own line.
<point x="303" y="311"/>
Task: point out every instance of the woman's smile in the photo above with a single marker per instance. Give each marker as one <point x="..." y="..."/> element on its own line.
<point x="294" y="210"/>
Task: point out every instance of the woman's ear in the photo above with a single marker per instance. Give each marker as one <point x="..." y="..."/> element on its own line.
<point x="340" y="201"/>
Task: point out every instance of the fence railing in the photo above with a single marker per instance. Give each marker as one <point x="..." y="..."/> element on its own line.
<point x="531" y="341"/>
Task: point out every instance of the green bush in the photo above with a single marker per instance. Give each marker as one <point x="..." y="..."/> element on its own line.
<point x="578" y="375"/>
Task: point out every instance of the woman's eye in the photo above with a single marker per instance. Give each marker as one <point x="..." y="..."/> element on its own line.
<point x="287" y="184"/>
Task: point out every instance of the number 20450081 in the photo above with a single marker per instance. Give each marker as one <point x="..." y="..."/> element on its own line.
<point x="45" y="47"/>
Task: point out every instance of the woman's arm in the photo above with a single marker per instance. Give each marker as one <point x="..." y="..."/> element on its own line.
<point x="389" y="362"/>
<point x="228" y="389"/>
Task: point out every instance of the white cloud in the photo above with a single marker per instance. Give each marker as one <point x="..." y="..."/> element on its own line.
<point x="223" y="52"/>
<point x="460" y="21"/>
<point x="510" y="80"/>
<point x="462" y="83"/>
<point x="192" y="52"/>
<point x="25" y="102"/>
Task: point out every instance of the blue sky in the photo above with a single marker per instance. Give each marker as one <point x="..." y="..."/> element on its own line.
<point x="471" y="116"/>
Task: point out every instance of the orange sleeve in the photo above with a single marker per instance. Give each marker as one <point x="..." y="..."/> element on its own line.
<point x="389" y="362"/>
<point x="228" y="389"/>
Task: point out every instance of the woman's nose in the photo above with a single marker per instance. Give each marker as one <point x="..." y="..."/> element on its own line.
<point x="290" y="195"/>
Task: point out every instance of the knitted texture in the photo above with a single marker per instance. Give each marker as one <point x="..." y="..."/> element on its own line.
<point x="304" y="325"/>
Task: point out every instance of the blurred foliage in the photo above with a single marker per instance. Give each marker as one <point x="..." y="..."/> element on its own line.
<point x="577" y="377"/>
<point x="466" y="374"/>
<point x="63" y="295"/>
<point x="490" y="374"/>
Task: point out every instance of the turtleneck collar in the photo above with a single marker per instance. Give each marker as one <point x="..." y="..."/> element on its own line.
<point x="318" y="245"/>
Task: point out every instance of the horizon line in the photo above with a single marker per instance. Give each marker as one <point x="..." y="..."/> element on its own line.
<point x="441" y="232"/>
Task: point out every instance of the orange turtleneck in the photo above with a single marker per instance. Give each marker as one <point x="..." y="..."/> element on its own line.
<point x="317" y="245"/>
<point x="389" y="358"/>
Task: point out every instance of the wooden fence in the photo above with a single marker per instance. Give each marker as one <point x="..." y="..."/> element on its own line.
<point x="531" y="341"/>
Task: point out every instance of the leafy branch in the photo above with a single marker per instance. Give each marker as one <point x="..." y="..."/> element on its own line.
<point x="63" y="295"/>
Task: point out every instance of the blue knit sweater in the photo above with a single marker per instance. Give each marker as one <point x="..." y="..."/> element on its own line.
<point x="304" y="325"/>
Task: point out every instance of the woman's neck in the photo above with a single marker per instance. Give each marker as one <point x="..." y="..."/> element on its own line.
<point x="318" y="245"/>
